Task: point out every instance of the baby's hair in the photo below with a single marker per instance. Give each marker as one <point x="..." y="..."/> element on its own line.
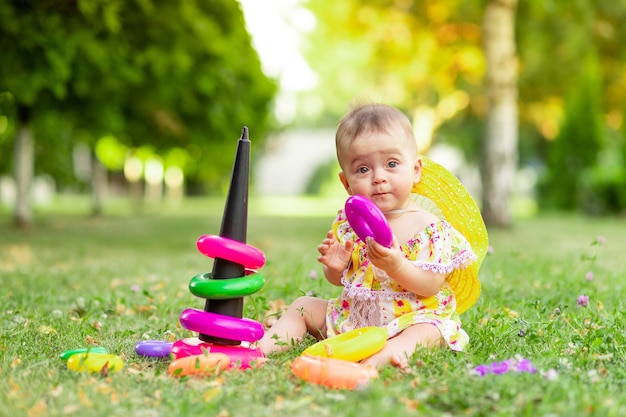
<point x="367" y="118"/>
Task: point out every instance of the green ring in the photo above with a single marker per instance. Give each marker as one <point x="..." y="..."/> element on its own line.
<point x="205" y="286"/>
<point x="66" y="355"/>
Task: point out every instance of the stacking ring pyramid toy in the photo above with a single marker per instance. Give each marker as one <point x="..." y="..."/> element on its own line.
<point x="221" y="326"/>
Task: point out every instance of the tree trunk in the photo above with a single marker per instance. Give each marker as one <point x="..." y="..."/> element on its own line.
<point x="23" y="168"/>
<point x="499" y="161"/>
<point x="99" y="185"/>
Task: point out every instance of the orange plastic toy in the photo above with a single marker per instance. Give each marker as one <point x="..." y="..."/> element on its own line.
<point x="333" y="373"/>
<point x="199" y="365"/>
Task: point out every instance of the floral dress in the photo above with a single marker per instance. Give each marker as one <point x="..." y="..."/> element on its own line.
<point x="371" y="298"/>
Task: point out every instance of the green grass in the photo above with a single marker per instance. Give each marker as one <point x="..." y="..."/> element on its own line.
<point x="73" y="280"/>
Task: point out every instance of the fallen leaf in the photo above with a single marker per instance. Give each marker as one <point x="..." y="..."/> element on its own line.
<point x="120" y="309"/>
<point x="84" y="400"/>
<point x="56" y="391"/>
<point x="90" y="340"/>
<point x="104" y="371"/>
<point x="15" y="389"/>
<point x="211" y="393"/>
<point x="145" y="308"/>
<point x="411" y="405"/>
<point x="46" y="330"/>
<point x="70" y="409"/>
<point x="39" y="409"/>
<point x="278" y="403"/>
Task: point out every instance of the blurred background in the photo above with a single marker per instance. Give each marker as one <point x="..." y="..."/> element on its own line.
<point x="144" y="100"/>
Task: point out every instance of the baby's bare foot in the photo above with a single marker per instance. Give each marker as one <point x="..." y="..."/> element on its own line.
<point x="400" y="361"/>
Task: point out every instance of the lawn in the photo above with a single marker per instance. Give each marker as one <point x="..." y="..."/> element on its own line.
<point x="553" y="291"/>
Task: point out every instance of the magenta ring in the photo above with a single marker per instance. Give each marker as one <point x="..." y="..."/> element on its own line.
<point x="231" y="250"/>
<point x="218" y="325"/>
<point x="367" y="220"/>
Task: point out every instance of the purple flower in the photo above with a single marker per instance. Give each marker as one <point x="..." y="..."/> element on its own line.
<point x="589" y="276"/>
<point x="601" y="240"/>
<point x="510" y="365"/>
<point x="313" y="274"/>
<point x="135" y="288"/>
<point x="583" y="300"/>
<point x="482" y="370"/>
<point x="499" y="368"/>
<point x="524" y="365"/>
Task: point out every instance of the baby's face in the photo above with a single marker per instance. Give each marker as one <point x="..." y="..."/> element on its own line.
<point x="381" y="167"/>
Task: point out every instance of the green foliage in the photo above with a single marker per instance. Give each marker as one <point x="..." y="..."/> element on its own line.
<point x="580" y="175"/>
<point x="7" y="129"/>
<point x="405" y="53"/>
<point x="168" y="74"/>
<point x="575" y="150"/>
<point x="603" y="186"/>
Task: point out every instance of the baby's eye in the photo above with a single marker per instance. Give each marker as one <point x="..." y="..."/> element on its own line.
<point x="392" y="164"/>
<point x="362" y="170"/>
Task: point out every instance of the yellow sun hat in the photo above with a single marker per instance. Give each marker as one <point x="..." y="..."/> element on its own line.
<point x="441" y="193"/>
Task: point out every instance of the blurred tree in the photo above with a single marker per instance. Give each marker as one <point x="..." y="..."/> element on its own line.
<point x="499" y="157"/>
<point x="426" y="58"/>
<point x="171" y="74"/>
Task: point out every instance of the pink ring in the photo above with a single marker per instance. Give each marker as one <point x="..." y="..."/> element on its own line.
<point x="231" y="250"/>
<point x="367" y="220"/>
<point x="218" y="325"/>
<point x="241" y="356"/>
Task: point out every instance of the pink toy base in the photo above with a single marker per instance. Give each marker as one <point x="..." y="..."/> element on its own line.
<point x="241" y="356"/>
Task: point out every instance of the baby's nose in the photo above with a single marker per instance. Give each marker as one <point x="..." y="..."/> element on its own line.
<point x="379" y="176"/>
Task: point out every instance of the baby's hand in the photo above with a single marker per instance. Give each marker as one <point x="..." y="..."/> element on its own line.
<point x="332" y="254"/>
<point x="387" y="259"/>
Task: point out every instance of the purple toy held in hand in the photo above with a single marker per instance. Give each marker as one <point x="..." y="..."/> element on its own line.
<point x="367" y="220"/>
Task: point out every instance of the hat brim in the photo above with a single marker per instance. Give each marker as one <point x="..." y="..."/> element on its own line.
<point x="457" y="207"/>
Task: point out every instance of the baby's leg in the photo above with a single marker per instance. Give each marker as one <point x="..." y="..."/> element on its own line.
<point x="304" y="315"/>
<point x="399" y="349"/>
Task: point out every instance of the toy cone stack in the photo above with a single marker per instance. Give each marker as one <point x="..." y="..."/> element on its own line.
<point x="234" y="226"/>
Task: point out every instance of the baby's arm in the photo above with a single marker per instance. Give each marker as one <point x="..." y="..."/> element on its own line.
<point x="334" y="257"/>
<point x="415" y="279"/>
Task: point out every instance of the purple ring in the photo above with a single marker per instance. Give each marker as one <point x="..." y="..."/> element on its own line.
<point x="154" y="348"/>
<point x="367" y="220"/>
<point x="218" y="325"/>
